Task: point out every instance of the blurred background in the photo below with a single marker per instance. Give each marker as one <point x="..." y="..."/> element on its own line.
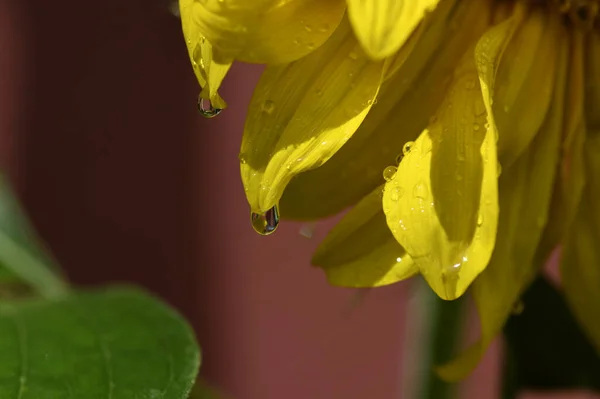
<point x="123" y="179"/>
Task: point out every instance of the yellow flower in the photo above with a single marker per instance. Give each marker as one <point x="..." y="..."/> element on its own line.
<point x="465" y="135"/>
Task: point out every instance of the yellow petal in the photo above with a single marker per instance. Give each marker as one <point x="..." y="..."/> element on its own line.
<point x="580" y="266"/>
<point x="267" y="31"/>
<point x="592" y="78"/>
<point x="383" y="26"/>
<point x="525" y="72"/>
<point x="581" y="257"/>
<point x="525" y="197"/>
<point x="442" y="205"/>
<point x="209" y="70"/>
<point x="302" y="113"/>
<point x="405" y="104"/>
<point x="360" y="251"/>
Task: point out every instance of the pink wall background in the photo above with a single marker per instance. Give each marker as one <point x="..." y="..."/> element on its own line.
<point x="125" y="181"/>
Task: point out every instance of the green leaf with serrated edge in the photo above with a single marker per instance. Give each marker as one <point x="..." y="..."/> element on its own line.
<point x="119" y="343"/>
<point x="22" y="255"/>
<point x="546" y="349"/>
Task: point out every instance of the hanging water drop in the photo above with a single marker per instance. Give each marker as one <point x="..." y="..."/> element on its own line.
<point x="206" y="109"/>
<point x="407" y="147"/>
<point x="265" y="223"/>
<point x="389" y="173"/>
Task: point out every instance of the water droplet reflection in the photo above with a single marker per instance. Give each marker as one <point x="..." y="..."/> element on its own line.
<point x="265" y="223"/>
<point x="407" y="147"/>
<point x="206" y="109"/>
<point x="389" y="173"/>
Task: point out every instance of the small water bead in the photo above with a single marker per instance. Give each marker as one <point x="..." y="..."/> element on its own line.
<point x="480" y="219"/>
<point x="242" y="158"/>
<point x="265" y="223"/>
<point x="408" y="147"/>
<point x="268" y="107"/>
<point x="353" y="55"/>
<point x="206" y="109"/>
<point x="399" y="158"/>
<point x="389" y="173"/>
<point x="308" y="28"/>
<point x="307" y="230"/>
<point x="420" y="191"/>
<point x="475" y="127"/>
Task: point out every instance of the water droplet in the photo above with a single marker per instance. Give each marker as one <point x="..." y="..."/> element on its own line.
<point x="518" y="308"/>
<point x="389" y="173"/>
<point x="206" y="109"/>
<point x="268" y="106"/>
<point x="265" y="223"/>
<point x="310" y="45"/>
<point x="353" y="55"/>
<point x="396" y="193"/>
<point x="319" y="92"/>
<point x="307" y="230"/>
<point x="242" y="158"/>
<point x="372" y="102"/>
<point x="407" y="147"/>
<point x="506" y="108"/>
<point x="398" y="259"/>
<point x="324" y="28"/>
<point x="308" y="28"/>
<point x="479" y="219"/>
<point x="296" y="41"/>
<point x="399" y="158"/>
<point x="475" y="127"/>
<point x="420" y="191"/>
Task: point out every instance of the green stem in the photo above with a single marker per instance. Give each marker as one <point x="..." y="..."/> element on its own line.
<point x="30" y="270"/>
<point x="441" y="325"/>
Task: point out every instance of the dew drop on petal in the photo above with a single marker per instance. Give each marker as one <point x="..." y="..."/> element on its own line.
<point x="407" y="147"/>
<point x="206" y="109"/>
<point x="265" y="223"/>
<point x="268" y="107"/>
<point x="242" y="158"/>
<point x="389" y="173"/>
<point x="480" y="219"/>
<point x="420" y="191"/>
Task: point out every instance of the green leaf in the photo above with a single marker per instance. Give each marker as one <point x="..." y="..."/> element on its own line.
<point x="22" y="256"/>
<point x="119" y="343"/>
<point x="546" y="348"/>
